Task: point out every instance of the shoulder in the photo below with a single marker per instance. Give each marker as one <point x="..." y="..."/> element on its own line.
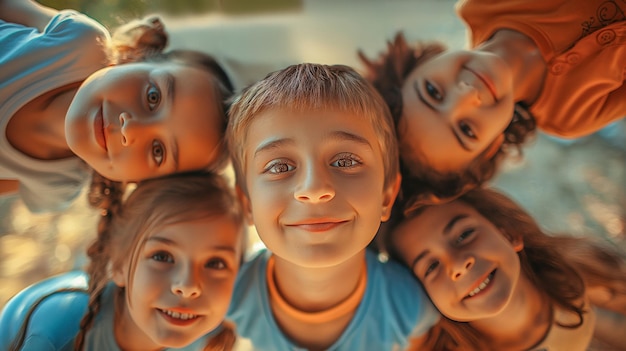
<point x="251" y="275"/>
<point x="70" y="38"/>
<point x="395" y="284"/>
<point x="53" y="312"/>
<point x="72" y="21"/>
<point x="255" y="262"/>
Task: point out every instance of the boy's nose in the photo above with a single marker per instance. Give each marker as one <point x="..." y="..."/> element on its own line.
<point x="314" y="187"/>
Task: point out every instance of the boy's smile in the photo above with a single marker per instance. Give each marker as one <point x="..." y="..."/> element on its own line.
<point x="315" y="181"/>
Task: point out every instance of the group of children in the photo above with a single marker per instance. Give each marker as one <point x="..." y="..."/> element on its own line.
<point x="322" y="156"/>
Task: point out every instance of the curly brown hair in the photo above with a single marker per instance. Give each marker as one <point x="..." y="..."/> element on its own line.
<point x="388" y="73"/>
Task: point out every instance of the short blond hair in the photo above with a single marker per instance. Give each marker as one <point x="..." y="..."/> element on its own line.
<point x="312" y="87"/>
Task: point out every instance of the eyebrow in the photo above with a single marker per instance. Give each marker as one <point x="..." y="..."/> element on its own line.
<point x="172" y="243"/>
<point x="446" y="231"/>
<point x="427" y="103"/>
<point x="347" y="136"/>
<point x="174" y="152"/>
<point x="336" y="135"/>
<point x="170" y="83"/>
<point x="272" y="144"/>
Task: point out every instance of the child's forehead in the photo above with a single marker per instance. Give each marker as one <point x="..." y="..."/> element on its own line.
<point x="281" y="121"/>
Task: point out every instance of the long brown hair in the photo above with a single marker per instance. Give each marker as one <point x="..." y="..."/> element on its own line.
<point x="561" y="266"/>
<point x="388" y="73"/>
<point x="153" y="203"/>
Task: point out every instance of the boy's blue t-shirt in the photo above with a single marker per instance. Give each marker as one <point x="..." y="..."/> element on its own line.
<point x="394" y="307"/>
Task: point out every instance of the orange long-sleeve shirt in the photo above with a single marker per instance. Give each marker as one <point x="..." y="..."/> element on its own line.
<point x="583" y="43"/>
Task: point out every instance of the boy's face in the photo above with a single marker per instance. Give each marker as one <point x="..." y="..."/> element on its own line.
<point x="142" y="120"/>
<point x="315" y="184"/>
<point x="455" y="105"/>
<point x="183" y="281"/>
<point x="456" y="252"/>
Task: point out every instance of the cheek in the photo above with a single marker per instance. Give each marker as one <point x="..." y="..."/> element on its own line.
<point x="439" y="294"/>
<point x="147" y="281"/>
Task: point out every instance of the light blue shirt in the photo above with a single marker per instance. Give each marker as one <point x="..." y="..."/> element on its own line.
<point x="393" y="308"/>
<point x="56" y="320"/>
<point x="32" y="63"/>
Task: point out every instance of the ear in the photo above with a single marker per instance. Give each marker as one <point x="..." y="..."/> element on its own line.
<point x="389" y="197"/>
<point x="518" y="244"/>
<point x="493" y="148"/>
<point x="245" y="203"/>
<point x="119" y="276"/>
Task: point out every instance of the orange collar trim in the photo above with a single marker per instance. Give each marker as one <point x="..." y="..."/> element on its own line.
<point x="346" y="306"/>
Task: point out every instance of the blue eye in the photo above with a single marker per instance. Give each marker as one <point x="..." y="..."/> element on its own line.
<point x="432" y="91"/>
<point x="153" y="97"/>
<point x="158" y="152"/>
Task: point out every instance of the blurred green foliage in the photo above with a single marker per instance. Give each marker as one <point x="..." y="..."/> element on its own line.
<point x="112" y="13"/>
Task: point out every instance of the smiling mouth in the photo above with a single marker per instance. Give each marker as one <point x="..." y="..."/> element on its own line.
<point x="177" y="318"/>
<point x="178" y="315"/>
<point x="98" y="130"/>
<point x="318" y="226"/>
<point x="484" y="284"/>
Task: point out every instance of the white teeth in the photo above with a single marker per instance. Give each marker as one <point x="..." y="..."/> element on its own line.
<point x="177" y="315"/>
<point x="480" y="287"/>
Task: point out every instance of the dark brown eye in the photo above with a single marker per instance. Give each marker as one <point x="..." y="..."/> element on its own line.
<point x="467" y="130"/>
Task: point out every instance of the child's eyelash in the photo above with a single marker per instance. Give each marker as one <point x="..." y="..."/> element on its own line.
<point x="347" y="160"/>
<point x="278" y="167"/>
<point x="465" y="234"/>
<point x="162" y="256"/>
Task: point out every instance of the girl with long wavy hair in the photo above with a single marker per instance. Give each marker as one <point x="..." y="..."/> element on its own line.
<point x="502" y="283"/>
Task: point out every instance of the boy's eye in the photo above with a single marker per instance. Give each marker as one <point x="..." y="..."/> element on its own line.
<point x="158" y="152"/>
<point x="216" y="263"/>
<point x="346" y="161"/>
<point x="162" y="256"/>
<point x="153" y="97"/>
<point x="432" y="91"/>
<point x="279" y="167"/>
<point x="464" y="235"/>
<point x="467" y="130"/>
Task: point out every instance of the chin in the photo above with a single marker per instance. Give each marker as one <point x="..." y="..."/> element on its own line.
<point x="104" y="171"/>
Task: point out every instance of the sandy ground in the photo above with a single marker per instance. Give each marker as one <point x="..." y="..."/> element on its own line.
<point x="578" y="188"/>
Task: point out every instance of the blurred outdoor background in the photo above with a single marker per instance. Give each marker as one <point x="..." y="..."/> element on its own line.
<point x="577" y="187"/>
